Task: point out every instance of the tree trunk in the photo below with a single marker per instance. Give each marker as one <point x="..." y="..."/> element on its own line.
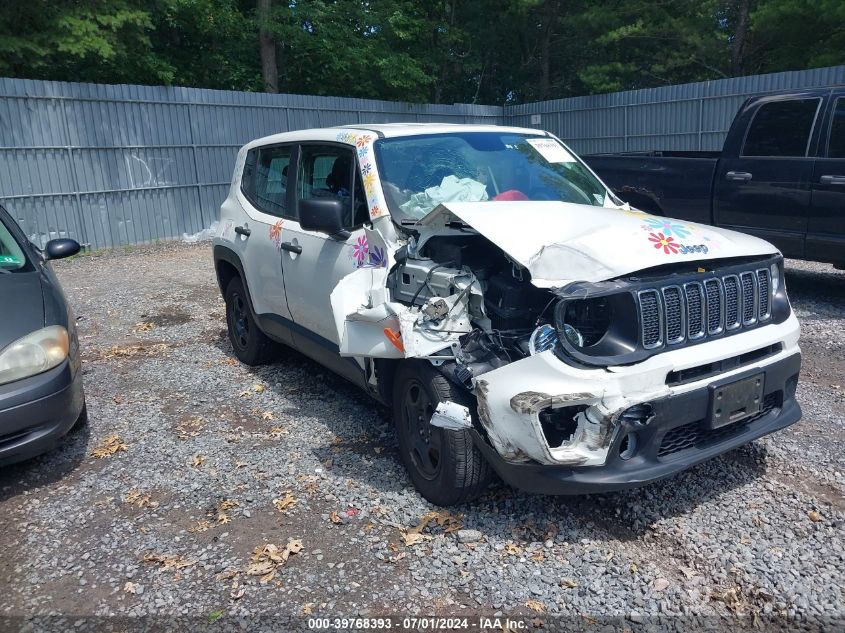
<point x="550" y="13"/>
<point x="740" y="38"/>
<point x="267" y="44"/>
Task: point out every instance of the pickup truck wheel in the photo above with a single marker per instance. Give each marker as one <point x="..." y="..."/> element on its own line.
<point x="444" y="465"/>
<point x="251" y="345"/>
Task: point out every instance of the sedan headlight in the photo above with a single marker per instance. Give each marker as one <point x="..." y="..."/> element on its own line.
<point x="34" y="353"/>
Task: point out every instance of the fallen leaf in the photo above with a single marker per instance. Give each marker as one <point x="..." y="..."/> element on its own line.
<point x="278" y="431"/>
<point x="536" y="605"/>
<point x="197" y="461"/>
<point x="267" y="558"/>
<point x="815" y="516"/>
<point x="538" y="557"/>
<point x="334" y="517"/>
<point x="267" y="415"/>
<point x="308" y="608"/>
<point x="144" y="326"/>
<point x="413" y="538"/>
<point x="223" y="510"/>
<point x="352" y="512"/>
<point x="109" y="446"/>
<point x="130" y="587"/>
<point x="201" y="526"/>
<point x="569" y="583"/>
<point x="285" y="502"/>
<point x="167" y="562"/>
<point x="117" y="399"/>
<point x="258" y="388"/>
<point x="189" y="428"/>
<point x="215" y="615"/>
<point x="398" y="557"/>
<point x="137" y="498"/>
<point x="512" y="549"/>
<point x="240" y="464"/>
<point x="238" y="593"/>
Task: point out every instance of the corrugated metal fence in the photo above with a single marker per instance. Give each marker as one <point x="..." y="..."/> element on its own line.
<point x="115" y="165"/>
<point x="684" y="117"/>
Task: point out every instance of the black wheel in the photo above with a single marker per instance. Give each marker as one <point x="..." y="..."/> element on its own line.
<point x="444" y="465"/>
<point x="251" y="345"/>
<point x="82" y="420"/>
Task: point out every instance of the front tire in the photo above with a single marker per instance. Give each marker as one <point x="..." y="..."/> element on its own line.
<point x="444" y="465"/>
<point x="251" y="345"/>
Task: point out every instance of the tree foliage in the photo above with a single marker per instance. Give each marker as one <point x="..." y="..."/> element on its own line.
<point x="481" y="51"/>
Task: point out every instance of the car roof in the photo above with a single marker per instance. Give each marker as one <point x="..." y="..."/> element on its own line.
<point x="388" y="130"/>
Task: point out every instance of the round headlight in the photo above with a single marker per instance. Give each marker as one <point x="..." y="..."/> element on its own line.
<point x="584" y="322"/>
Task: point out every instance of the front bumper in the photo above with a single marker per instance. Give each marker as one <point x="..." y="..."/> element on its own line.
<point x="675" y="437"/>
<point x="37" y="411"/>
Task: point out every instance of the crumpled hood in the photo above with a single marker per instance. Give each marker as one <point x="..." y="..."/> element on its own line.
<point x="561" y="242"/>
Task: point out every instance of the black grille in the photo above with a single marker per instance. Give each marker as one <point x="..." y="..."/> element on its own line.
<point x="763" y="292"/>
<point x="731" y="302"/>
<point x="694" y="435"/>
<point x="695" y="311"/>
<point x="650" y="315"/>
<point x="671" y="315"/>
<point x="674" y="314"/>
<point x="748" y="298"/>
<point x="714" y="305"/>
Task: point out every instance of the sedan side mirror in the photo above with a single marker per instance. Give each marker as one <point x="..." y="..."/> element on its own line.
<point x="325" y="215"/>
<point x="64" y="247"/>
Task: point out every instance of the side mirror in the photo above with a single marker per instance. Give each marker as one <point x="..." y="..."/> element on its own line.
<point x="325" y="215"/>
<point x="64" y="247"/>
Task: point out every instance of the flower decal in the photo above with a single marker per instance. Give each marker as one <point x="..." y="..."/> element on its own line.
<point x="363" y="140"/>
<point x="375" y="211"/>
<point x="275" y="234"/>
<point x="667" y="227"/>
<point x="346" y="137"/>
<point x="377" y="258"/>
<point x="668" y="244"/>
<point x="363" y="151"/>
<point x="360" y="250"/>
<point x="366" y="168"/>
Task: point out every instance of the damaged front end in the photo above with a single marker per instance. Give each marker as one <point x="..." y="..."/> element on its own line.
<point x="593" y="368"/>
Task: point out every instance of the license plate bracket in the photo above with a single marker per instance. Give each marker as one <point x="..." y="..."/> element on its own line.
<point x="734" y="401"/>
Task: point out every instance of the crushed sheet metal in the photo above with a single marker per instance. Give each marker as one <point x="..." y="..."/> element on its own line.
<point x="451" y="415"/>
<point x="531" y="401"/>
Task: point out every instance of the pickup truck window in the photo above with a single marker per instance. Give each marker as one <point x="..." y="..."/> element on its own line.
<point x="836" y="145"/>
<point x="265" y="179"/>
<point x="781" y="128"/>
<point x="420" y="172"/>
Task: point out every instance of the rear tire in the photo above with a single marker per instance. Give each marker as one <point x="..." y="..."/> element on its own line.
<point x="444" y="465"/>
<point x="251" y="345"/>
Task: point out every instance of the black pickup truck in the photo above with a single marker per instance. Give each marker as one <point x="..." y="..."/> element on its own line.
<point x="780" y="175"/>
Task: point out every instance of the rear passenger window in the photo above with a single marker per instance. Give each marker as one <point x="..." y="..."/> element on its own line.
<point x="836" y="146"/>
<point x="265" y="179"/>
<point x="781" y="128"/>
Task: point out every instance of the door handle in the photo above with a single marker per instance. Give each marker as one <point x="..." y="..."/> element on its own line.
<point x="293" y="248"/>
<point x="741" y="176"/>
<point x="243" y="230"/>
<point x="832" y="180"/>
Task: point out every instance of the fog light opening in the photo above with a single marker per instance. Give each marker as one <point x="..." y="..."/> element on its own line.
<point x="628" y="446"/>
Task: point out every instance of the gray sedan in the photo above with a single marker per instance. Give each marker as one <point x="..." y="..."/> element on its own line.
<point x="41" y="395"/>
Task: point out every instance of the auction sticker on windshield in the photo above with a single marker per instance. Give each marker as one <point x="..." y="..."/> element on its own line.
<point x="551" y="150"/>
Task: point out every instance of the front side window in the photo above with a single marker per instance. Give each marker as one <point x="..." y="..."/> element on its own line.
<point x="781" y="128"/>
<point x="12" y="257"/>
<point x="330" y="171"/>
<point x="265" y="179"/>
<point x="836" y="145"/>
<point x="420" y="172"/>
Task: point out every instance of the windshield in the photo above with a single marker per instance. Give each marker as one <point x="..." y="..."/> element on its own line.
<point x="11" y="254"/>
<point x="420" y="172"/>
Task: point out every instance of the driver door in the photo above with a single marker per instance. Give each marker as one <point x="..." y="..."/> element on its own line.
<point x="313" y="263"/>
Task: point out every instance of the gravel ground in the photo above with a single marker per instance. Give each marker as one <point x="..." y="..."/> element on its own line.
<point x="214" y="461"/>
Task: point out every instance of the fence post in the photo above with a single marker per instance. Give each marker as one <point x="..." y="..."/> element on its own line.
<point x="625" y="126"/>
<point x="74" y="178"/>
<point x="700" y="124"/>
<point x="197" y="184"/>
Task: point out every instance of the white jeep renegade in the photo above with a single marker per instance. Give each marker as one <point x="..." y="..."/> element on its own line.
<point x="516" y="316"/>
